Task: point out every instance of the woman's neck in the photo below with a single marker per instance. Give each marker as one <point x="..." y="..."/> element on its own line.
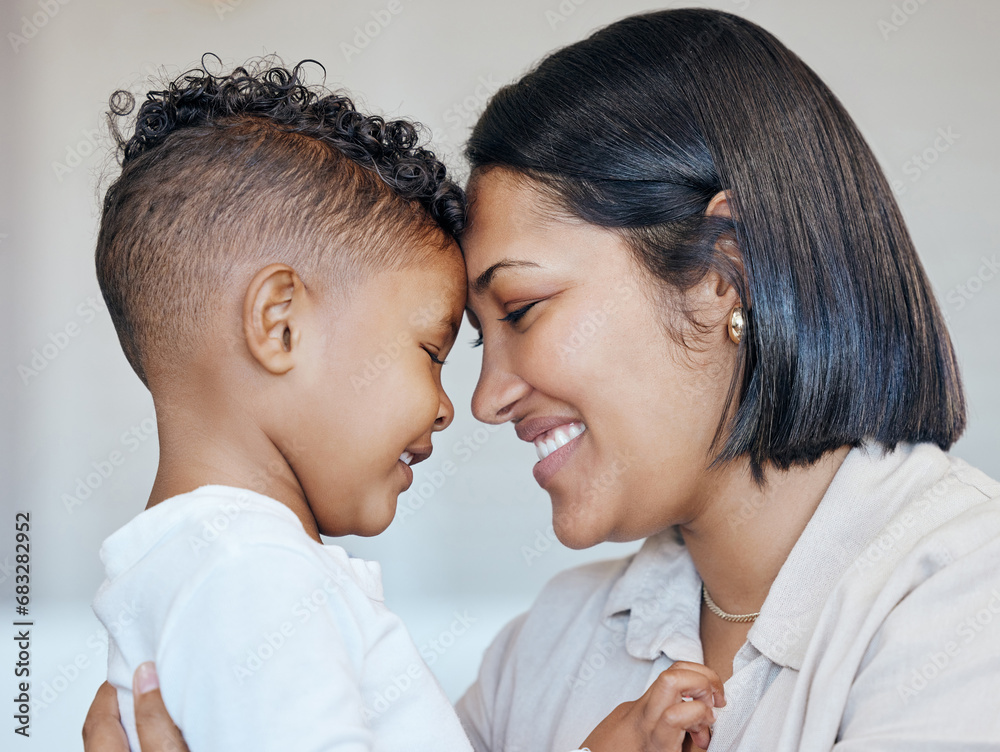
<point x="744" y="533"/>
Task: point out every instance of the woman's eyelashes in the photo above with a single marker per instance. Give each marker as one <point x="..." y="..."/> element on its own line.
<point x="514" y="316"/>
<point x="511" y="318"/>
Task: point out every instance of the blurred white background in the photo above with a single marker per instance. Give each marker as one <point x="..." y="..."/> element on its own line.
<point x="919" y="76"/>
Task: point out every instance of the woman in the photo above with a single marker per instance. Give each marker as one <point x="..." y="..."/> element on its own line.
<point x="765" y="391"/>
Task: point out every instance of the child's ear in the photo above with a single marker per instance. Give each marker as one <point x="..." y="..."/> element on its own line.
<point x="273" y="310"/>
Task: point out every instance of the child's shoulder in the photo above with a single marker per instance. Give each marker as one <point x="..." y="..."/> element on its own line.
<point x="220" y="528"/>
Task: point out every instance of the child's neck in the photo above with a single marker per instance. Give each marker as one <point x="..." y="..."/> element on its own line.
<point x="216" y="446"/>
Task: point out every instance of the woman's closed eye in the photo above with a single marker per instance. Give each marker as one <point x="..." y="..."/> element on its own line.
<point x="514" y="316"/>
<point x="511" y="318"/>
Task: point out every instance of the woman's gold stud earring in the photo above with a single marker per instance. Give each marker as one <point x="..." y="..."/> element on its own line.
<point x="736" y="324"/>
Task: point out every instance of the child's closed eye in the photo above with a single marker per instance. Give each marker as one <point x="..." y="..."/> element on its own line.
<point x="435" y="358"/>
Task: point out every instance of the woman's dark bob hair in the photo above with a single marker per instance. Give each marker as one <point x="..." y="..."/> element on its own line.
<point x="637" y="127"/>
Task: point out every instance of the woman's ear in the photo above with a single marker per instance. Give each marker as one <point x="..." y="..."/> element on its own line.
<point x="273" y="310"/>
<point x="720" y="206"/>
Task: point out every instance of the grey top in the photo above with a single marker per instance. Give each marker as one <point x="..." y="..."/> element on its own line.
<point x="880" y="632"/>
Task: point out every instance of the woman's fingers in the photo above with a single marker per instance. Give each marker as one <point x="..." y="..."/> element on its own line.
<point x="157" y="732"/>
<point x="102" y="729"/>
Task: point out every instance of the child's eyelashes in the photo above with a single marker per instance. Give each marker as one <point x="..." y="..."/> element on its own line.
<point x="435" y="358"/>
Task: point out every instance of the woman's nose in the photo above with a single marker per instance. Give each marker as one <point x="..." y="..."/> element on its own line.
<point x="497" y="391"/>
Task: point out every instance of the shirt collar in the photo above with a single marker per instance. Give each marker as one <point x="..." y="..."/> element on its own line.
<point x="658" y="598"/>
<point x="866" y="492"/>
<point x="659" y="595"/>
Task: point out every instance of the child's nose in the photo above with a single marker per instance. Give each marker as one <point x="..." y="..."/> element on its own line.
<point x="446" y="413"/>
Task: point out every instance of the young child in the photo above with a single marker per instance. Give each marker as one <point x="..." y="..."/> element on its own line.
<point x="263" y="243"/>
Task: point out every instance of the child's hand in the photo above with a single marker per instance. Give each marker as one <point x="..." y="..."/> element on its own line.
<point x="659" y="720"/>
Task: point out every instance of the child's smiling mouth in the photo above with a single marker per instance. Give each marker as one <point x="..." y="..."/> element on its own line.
<point x="411" y="457"/>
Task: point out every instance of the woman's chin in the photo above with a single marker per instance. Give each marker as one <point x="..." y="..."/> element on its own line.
<point x="575" y="531"/>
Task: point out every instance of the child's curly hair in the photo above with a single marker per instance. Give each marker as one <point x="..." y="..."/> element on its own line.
<point x="220" y="172"/>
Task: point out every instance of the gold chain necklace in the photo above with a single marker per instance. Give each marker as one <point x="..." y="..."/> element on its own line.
<point x="713" y="607"/>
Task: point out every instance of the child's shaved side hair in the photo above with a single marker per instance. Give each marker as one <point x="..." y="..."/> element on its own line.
<point x="224" y="174"/>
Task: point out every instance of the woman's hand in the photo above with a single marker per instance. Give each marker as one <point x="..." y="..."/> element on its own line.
<point x="103" y="732"/>
<point x="659" y="720"/>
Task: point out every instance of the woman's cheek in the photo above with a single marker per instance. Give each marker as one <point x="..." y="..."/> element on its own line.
<point x="579" y="343"/>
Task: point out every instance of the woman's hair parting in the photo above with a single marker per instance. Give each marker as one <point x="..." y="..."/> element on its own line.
<point x="220" y="171"/>
<point x="637" y="127"/>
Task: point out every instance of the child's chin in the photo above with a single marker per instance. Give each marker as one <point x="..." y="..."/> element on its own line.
<point x="375" y="524"/>
<point x="365" y="525"/>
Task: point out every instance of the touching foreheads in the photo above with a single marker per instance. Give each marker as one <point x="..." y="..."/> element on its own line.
<point x="223" y="174"/>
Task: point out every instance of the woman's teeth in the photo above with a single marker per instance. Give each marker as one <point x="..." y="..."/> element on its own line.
<point x="406" y="458"/>
<point x="549" y="441"/>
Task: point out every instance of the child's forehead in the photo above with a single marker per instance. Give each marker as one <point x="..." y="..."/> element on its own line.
<point x="443" y="264"/>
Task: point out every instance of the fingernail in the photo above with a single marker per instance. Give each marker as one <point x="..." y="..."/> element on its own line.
<point x="715" y="716"/>
<point x="145" y="679"/>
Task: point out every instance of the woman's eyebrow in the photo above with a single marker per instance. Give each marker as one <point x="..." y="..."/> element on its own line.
<point x="483" y="281"/>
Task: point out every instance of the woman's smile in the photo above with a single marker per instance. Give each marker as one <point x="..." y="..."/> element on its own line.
<point x="557" y="452"/>
<point x="557" y="438"/>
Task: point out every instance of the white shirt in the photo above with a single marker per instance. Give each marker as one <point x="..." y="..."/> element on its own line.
<point x="263" y="638"/>
<point x="880" y="632"/>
